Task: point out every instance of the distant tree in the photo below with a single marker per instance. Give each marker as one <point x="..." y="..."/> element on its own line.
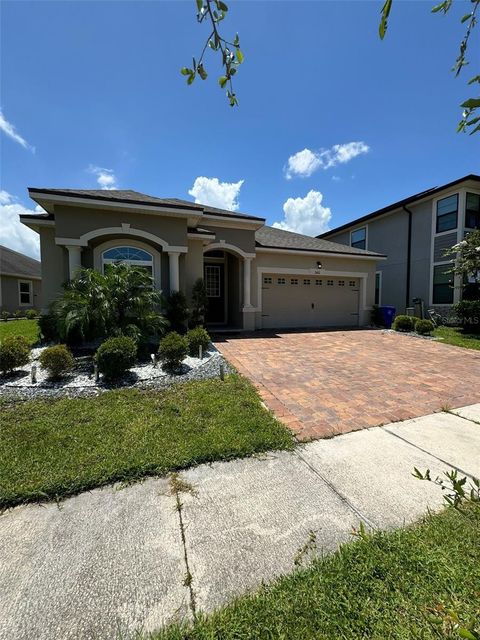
<point x="466" y="261"/>
<point x="215" y="11"/>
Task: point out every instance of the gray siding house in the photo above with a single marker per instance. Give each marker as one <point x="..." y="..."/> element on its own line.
<point x="414" y="233"/>
<point x="20" y="281"/>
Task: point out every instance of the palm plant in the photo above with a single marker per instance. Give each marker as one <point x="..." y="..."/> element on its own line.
<point x="120" y="302"/>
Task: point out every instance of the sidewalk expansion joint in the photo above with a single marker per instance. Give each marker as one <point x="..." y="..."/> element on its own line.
<point x="338" y="493"/>
<point x="429" y="453"/>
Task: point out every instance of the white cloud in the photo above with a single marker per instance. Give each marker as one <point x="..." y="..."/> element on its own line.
<point x="106" y="178"/>
<point x="305" y="215"/>
<point x="14" y="234"/>
<point x="9" y="130"/>
<point x="211" y="191"/>
<point x="304" y="163"/>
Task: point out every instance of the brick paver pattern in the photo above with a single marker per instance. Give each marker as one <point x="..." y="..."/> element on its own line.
<point x="329" y="382"/>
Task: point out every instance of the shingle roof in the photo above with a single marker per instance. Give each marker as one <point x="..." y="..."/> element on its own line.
<point x="270" y="237"/>
<point x="400" y="203"/>
<point x="18" y="264"/>
<point x="135" y="197"/>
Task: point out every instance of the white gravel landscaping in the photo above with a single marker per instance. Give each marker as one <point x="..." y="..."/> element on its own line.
<point x="81" y="381"/>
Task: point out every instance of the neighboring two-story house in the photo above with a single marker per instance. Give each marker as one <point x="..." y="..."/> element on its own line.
<point x="414" y="234"/>
<point x="255" y="276"/>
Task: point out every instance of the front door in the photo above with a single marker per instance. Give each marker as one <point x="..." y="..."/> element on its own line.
<point x="214" y="277"/>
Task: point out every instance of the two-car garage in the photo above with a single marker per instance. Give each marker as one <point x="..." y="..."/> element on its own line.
<point x="309" y="301"/>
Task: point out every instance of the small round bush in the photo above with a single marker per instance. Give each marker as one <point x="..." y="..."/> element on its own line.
<point x="197" y="337"/>
<point x="31" y="314"/>
<point x="403" y="323"/>
<point x="57" y="360"/>
<point x="172" y="350"/>
<point x="115" y="356"/>
<point x="19" y="313"/>
<point x="14" y="352"/>
<point x="6" y="315"/>
<point x="424" y="327"/>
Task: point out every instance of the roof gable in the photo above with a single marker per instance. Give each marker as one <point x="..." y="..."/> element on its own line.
<point x="13" y="262"/>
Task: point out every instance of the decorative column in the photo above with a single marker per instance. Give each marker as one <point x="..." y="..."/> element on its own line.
<point x="174" y="270"/>
<point x="74" y="259"/>
<point x="247" y="276"/>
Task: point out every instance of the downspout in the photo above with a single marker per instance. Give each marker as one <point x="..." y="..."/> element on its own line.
<point x="409" y="255"/>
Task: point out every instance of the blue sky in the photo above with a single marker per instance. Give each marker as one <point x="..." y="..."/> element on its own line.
<point x="96" y="85"/>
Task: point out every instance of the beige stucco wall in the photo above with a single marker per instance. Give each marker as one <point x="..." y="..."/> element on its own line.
<point x="9" y="298"/>
<point x="72" y="222"/>
<point x="193" y="264"/>
<point x="308" y="264"/>
<point x="244" y="239"/>
<point x="54" y="261"/>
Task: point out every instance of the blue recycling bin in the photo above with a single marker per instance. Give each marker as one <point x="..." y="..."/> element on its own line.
<point x="388" y="313"/>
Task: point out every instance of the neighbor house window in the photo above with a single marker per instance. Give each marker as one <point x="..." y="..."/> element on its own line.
<point x="129" y="255"/>
<point x="442" y="284"/>
<point x="25" y="293"/>
<point x="447" y="213"/>
<point x="358" y="238"/>
<point x="378" y="287"/>
<point x="472" y="211"/>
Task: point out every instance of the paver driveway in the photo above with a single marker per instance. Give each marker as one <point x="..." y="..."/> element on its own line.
<point x="329" y="382"/>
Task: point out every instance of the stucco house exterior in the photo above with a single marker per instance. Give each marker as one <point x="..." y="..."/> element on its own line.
<point x="413" y="233"/>
<point x="256" y="276"/>
<point x="20" y="281"/>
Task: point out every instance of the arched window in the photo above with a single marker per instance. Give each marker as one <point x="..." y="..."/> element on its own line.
<point x="133" y="256"/>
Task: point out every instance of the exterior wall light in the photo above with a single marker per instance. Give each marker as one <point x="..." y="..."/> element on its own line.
<point x="319" y="264"/>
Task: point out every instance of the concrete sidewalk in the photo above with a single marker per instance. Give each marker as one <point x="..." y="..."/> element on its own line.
<point x="111" y="562"/>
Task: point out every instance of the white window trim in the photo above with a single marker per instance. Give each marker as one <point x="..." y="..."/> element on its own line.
<point x="130" y="242"/>
<point x="363" y="226"/>
<point x="379" y="273"/>
<point x="30" y="286"/>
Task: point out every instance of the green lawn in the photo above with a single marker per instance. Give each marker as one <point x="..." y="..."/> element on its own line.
<point x="377" y="588"/>
<point x="27" y="328"/>
<point x="455" y="336"/>
<point x="52" y="448"/>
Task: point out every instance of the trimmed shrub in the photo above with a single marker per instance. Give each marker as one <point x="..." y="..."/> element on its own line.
<point x="424" y="327"/>
<point x="19" y="313"/>
<point x="199" y="303"/>
<point x="403" y="323"/>
<point x="197" y="337"/>
<point x="57" y="360"/>
<point x="31" y="314"/>
<point x="115" y="356"/>
<point x="172" y="350"/>
<point x="468" y="312"/>
<point x="48" y="327"/>
<point x="6" y="315"/>
<point x="14" y="352"/>
<point x="177" y="311"/>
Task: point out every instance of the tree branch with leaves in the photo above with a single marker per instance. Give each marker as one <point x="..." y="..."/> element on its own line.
<point x="213" y="12"/>
<point x="470" y="121"/>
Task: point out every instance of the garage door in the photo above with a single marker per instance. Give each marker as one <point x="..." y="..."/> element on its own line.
<point x="299" y="301"/>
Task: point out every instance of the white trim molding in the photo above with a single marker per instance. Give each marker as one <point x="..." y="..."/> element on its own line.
<point x="125" y="242"/>
<point x="124" y="229"/>
<point x="225" y="246"/>
<point x="320" y="254"/>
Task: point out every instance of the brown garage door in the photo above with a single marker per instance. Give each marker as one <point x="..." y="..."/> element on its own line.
<point x="301" y="301"/>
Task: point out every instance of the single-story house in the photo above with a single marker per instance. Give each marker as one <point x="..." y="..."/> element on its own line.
<point x="256" y="276"/>
<point x="20" y="281"/>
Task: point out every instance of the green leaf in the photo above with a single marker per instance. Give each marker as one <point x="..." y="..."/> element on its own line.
<point x="471" y="103"/>
<point x="222" y="81"/>
<point x="240" y="56"/>
<point x="201" y="72"/>
<point x="236" y="42"/>
<point x="466" y="17"/>
<point x="465" y="633"/>
<point x="185" y="71"/>
<point x="199" y="5"/>
<point x="222" y="6"/>
<point x="191" y="78"/>
<point x="443" y="6"/>
<point x="382" y="29"/>
<point x="474" y="79"/>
